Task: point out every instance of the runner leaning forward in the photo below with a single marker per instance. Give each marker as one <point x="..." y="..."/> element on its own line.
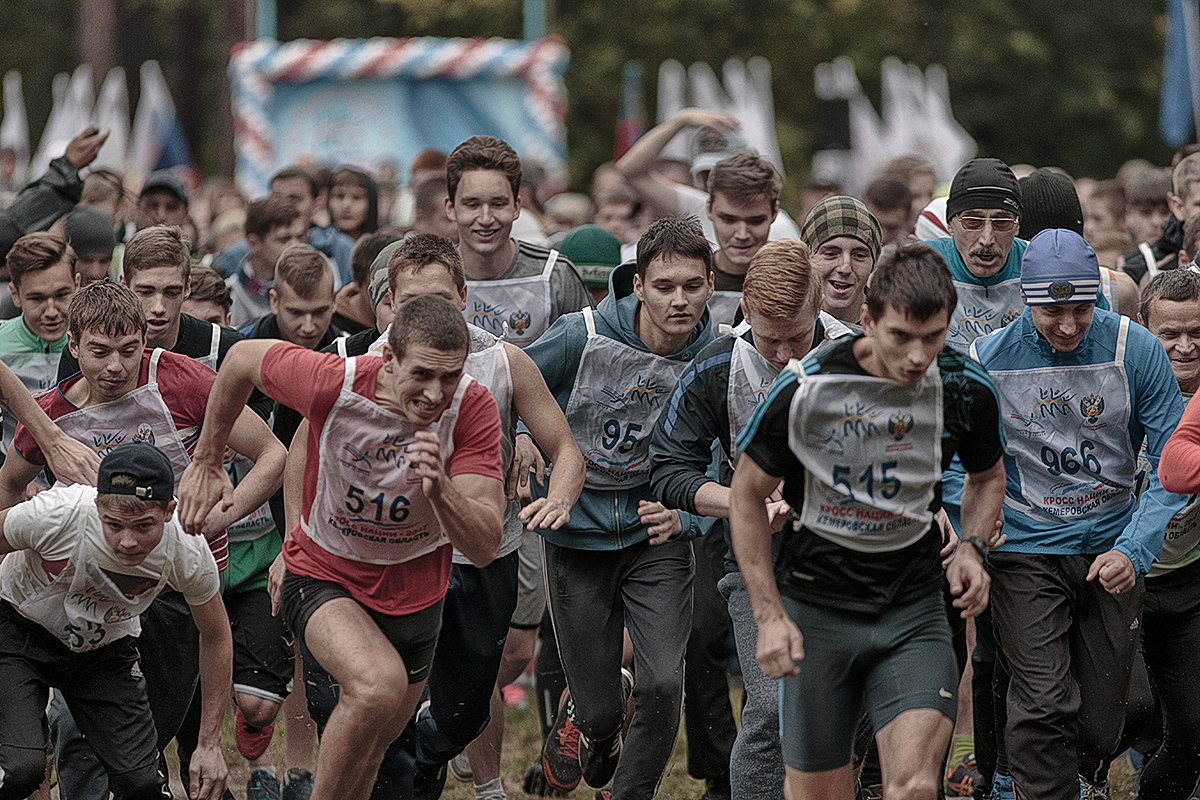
<point x="408" y="462"/>
<point x="860" y="433"/>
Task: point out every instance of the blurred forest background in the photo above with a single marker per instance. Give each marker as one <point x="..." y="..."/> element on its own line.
<point x="1073" y="84"/>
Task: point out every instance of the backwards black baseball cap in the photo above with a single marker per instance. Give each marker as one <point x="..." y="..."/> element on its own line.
<point x="154" y="479"/>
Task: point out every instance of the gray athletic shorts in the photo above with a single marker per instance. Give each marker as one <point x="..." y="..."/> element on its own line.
<point x="888" y="663"/>
<point x="531" y="588"/>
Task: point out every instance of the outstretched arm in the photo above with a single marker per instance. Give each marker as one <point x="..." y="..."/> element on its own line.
<point x="780" y="645"/>
<point x="208" y="769"/>
<point x="70" y="460"/>
<point x="205" y="481"/>
<point x="637" y="164"/>
<point x="548" y="425"/>
<point x="253" y="439"/>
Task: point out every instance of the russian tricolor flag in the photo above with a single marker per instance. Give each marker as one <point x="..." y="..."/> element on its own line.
<point x="1180" y="103"/>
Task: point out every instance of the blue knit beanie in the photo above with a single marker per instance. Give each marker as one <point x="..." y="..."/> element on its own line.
<point x="1059" y="267"/>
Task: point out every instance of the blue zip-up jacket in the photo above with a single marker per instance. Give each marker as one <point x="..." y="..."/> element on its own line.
<point x="606" y="519"/>
<point x="1156" y="406"/>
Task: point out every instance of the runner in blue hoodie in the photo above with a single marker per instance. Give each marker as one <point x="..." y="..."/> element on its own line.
<point x="620" y="562"/>
<point x="1080" y="388"/>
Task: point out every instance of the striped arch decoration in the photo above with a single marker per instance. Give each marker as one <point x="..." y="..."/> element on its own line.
<point x="363" y="101"/>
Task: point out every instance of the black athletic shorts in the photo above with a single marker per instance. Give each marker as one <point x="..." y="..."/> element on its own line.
<point x="413" y="635"/>
<point x="262" y="648"/>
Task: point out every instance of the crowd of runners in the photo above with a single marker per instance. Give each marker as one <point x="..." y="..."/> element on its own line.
<point x="345" y="461"/>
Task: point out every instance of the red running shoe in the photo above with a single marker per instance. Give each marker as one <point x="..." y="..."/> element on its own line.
<point x="560" y="753"/>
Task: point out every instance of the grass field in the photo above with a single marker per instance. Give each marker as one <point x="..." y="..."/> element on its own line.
<point x="522" y="745"/>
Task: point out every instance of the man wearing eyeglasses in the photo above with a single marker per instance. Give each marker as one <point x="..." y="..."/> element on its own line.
<point x="983" y="252"/>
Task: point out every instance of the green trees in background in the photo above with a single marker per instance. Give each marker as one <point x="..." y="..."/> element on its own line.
<point x="1073" y="84"/>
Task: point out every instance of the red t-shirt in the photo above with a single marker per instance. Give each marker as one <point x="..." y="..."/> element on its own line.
<point x="184" y="384"/>
<point x="310" y="382"/>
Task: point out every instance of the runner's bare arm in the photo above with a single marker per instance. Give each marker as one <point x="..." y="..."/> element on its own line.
<point x="205" y="481"/>
<point x="637" y="164"/>
<point x="982" y="504"/>
<point x="780" y="645"/>
<point x="293" y="478"/>
<point x="5" y="547"/>
<point x="982" y="500"/>
<point x="71" y="461"/>
<point x="208" y="770"/>
<point x="253" y="439"/>
<point x="293" y="490"/>
<point x="550" y="429"/>
<point x="15" y="475"/>
<point x="470" y="508"/>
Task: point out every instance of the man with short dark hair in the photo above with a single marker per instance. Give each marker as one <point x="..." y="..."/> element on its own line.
<point x="363" y="590"/>
<point x="482" y="601"/>
<point x="712" y="402"/>
<point x="860" y="433"/>
<point x="302" y="300"/>
<point x="620" y="562"/>
<point x="83" y="563"/>
<point x="715" y="137"/>
<point x="43" y="280"/>
<point x="512" y="285"/>
<point x="272" y="225"/>
<point x="298" y="185"/>
<point x="743" y="202"/>
<point x="891" y="201"/>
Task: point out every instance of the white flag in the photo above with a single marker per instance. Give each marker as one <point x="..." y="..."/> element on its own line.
<point x="67" y="120"/>
<point x="112" y="112"/>
<point x="14" y="131"/>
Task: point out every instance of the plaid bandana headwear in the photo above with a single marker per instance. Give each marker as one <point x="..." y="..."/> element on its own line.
<point x="841" y="216"/>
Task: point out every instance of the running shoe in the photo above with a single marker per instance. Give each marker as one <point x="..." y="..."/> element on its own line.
<point x="251" y="742"/>
<point x="963" y="778"/>
<point x="598" y="760"/>
<point x="560" y="753"/>
<point x="1092" y="791"/>
<point x="297" y="784"/>
<point x="460" y="768"/>
<point x="263" y="786"/>
<point x="533" y="782"/>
